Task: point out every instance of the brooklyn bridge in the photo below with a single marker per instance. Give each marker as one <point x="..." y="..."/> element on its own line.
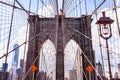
<point x="59" y="40"/>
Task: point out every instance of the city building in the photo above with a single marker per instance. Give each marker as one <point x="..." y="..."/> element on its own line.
<point x="15" y="56"/>
<point x="119" y="70"/>
<point x="99" y="69"/>
<point x="73" y="74"/>
<point x="42" y="75"/>
<point x="46" y="76"/>
<point x="14" y="62"/>
<point x="1" y="75"/>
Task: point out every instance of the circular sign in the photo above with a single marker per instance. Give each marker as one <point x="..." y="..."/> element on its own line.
<point x="33" y="68"/>
<point x="89" y="68"/>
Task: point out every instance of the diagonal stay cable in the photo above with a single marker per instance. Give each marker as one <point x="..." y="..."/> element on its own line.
<point x="88" y="59"/>
<point x="81" y="67"/>
<point x="22" y="7"/>
<point x="31" y="65"/>
<point x="22" y="44"/>
<point x="26" y="34"/>
<point x="74" y="8"/>
<point x="81" y="50"/>
<point x="92" y="12"/>
<point x="8" y="43"/>
<point x="45" y="65"/>
<point x="46" y="6"/>
<point x="16" y="7"/>
<point x="92" y="65"/>
<point x="98" y="7"/>
<point x="101" y="53"/>
<point x="91" y="39"/>
<point x="37" y="55"/>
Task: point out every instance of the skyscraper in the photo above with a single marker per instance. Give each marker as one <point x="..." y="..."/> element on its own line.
<point x="73" y="74"/>
<point x="15" y="56"/>
<point x="15" y="61"/>
<point x="99" y="68"/>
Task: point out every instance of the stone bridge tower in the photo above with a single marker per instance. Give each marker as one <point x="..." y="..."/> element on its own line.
<point x="59" y="30"/>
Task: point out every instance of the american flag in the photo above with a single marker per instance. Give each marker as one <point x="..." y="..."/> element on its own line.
<point x="62" y="12"/>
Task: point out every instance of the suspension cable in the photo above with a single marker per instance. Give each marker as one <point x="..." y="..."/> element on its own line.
<point x="16" y="7"/>
<point x="98" y="6"/>
<point x="74" y="8"/>
<point x="86" y="7"/>
<point x="99" y="41"/>
<point x="22" y="7"/>
<point x="81" y="50"/>
<point x="57" y="7"/>
<point x="10" y="29"/>
<point x="92" y="40"/>
<point x="37" y="57"/>
<point x="26" y="35"/>
<point x="46" y="6"/>
<point x="116" y="14"/>
<point x="22" y="44"/>
<point x="89" y="62"/>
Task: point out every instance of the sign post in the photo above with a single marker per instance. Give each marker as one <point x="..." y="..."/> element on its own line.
<point x="89" y="69"/>
<point x="33" y="68"/>
<point x="33" y="76"/>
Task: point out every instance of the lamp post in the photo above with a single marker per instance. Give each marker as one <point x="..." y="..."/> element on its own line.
<point x="106" y="33"/>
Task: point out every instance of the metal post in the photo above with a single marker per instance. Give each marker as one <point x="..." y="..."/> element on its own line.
<point x="109" y="66"/>
<point x="33" y="76"/>
<point x="89" y="75"/>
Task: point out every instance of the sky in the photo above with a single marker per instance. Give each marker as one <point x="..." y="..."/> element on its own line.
<point x="114" y="41"/>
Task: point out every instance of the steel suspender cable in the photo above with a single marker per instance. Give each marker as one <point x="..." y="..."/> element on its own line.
<point x="16" y="7"/>
<point x="76" y="9"/>
<point x="57" y="9"/>
<point x="116" y="14"/>
<point x="74" y="39"/>
<point x="99" y="41"/>
<point x="91" y="64"/>
<point x="22" y="44"/>
<point x="22" y="7"/>
<point x="31" y="65"/>
<point x="46" y="6"/>
<point x="86" y="7"/>
<point x="24" y="56"/>
<point x="80" y="8"/>
<point x="93" y="40"/>
<point x="4" y="73"/>
<point x="98" y="7"/>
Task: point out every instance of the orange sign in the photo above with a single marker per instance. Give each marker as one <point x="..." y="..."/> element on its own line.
<point x="89" y="68"/>
<point x="33" y="68"/>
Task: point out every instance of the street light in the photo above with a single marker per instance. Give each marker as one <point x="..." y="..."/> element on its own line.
<point x="105" y="32"/>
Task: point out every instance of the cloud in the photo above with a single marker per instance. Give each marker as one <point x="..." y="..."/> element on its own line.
<point x="46" y="11"/>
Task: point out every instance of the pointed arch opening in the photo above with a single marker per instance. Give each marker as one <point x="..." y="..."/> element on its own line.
<point x="47" y="61"/>
<point x="73" y="61"/>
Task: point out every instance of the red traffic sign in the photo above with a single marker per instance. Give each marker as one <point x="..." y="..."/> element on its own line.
<point x="89" y="68"/>
<point x="33" y="68"/>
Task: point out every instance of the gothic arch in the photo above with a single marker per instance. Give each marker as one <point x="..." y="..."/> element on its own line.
<point x="43" y="39"/>
<point x="73" y="58"/>
<point x="47" y="56"/>
<point x="58" y="35"/>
